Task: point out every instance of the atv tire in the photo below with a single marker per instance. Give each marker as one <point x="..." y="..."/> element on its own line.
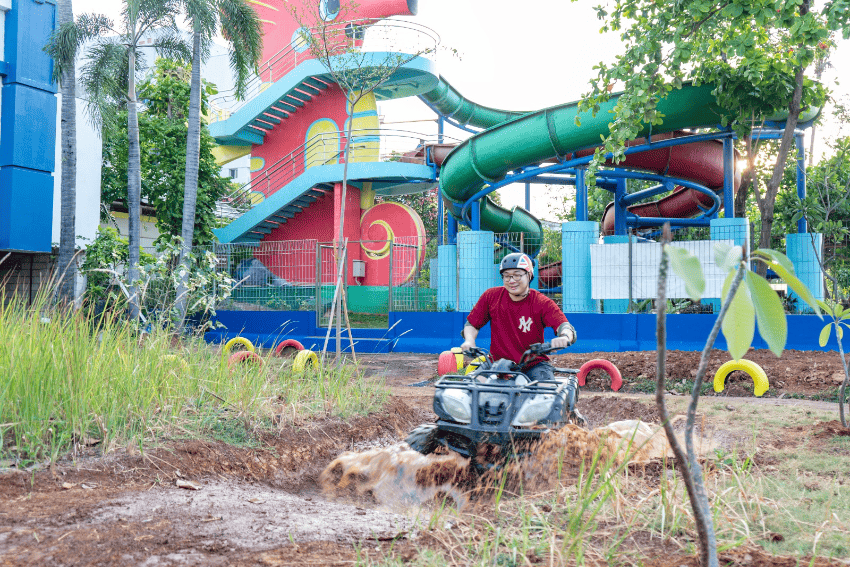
<point x="423" y="439"/>
<point x="576" y="418"/>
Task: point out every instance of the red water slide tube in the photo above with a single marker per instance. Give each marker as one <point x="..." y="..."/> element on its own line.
<point x="700" y="162"/>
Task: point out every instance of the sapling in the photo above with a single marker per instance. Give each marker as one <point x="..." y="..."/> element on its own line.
<point x="748" y="298"/>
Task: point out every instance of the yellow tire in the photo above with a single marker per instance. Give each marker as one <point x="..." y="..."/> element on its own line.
<point x="303" y="360"/>
<point x="177" y="361"/>
<point x="240" y="341"/>
<point x="458" y="357"/>
<point x="749" y="367"/>
<point x="473" y="366"/>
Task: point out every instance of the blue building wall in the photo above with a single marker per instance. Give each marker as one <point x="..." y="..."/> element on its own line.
<point x="27" y="128"/>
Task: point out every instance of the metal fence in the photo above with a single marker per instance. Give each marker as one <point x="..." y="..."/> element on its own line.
<point x="405" y="274"/>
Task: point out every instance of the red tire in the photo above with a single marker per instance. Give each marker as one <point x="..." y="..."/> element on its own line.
<point x="244" y="356"/>
<point x="287" y="344"/>
<point x="447" y="363"/>
<point x="607" y="366"/>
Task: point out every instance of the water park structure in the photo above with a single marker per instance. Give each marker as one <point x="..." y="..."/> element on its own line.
<point x="293" y="126"/>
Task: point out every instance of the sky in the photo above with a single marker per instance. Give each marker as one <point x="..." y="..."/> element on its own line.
<point x="513" y="59"/>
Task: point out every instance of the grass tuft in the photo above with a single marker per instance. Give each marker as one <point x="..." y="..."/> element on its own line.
<point x="69" y="382"/>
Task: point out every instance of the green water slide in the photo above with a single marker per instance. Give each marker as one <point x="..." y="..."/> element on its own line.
<point x="452" y="104"/>
<point x="514" y="140"/>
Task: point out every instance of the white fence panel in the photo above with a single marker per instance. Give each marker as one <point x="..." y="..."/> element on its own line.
<point x="610" y="270"/>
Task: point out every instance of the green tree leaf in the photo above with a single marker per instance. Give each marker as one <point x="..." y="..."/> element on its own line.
<point x="739" y="324"/>
<point x="824" y="334"/>
<point x="769" y="312"/>
<point x="796" y="285"/>
<point x="687" y="267"/>
<point x="775" y="256"/>
<point x="727" y="257"/>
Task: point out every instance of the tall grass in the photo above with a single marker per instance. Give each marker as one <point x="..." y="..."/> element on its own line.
<point x="66" y="381"/>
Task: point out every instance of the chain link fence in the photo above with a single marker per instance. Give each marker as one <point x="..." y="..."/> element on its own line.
<point x="404" y="274"/>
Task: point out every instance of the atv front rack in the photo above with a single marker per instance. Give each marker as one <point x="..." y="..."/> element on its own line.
<point x="495" y="404"/>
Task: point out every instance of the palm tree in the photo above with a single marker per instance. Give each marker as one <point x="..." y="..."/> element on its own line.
<point x="242" y="29"/>
<point x="109" y="78"/>
<point x="66" y="268"/>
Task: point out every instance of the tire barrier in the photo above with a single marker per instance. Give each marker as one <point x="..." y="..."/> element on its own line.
<point x="748" y="367"/>
<point x="244" y="356"/>
<point x="241" y="341"/>
<point x="473" y="366"/>
<point x="447" y="363"/>
<point x="303" y="360"/>
<point x="287" y="344"/>
<point x="607" y="366"/>
<point x="177" y="361"/>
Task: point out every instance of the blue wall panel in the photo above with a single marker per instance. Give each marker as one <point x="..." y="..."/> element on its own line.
<point x="28" y="128"/>
<point x="28" y="26"/>
<point x="26" y="209"/>
<point x="436" y="332"/>
<point x="263" y="328"/>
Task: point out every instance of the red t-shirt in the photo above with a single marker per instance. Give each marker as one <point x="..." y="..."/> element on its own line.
<point x="515" y="325"/>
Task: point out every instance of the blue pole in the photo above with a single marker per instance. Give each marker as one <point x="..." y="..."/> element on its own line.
<point x="728" y="178"/>
<point x="620" y="208"/>
<point x="440" y="220"/>
<point x="440" y="126"/>
<point x="581" y="195"/>
<point x="452" y="227"/>
<point x="802" y="225"/>
<point x="528" y="196"/>
<point x="475" y="214"/>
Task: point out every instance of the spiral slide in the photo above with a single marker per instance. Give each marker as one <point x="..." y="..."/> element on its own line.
<point x="516" y="139"/>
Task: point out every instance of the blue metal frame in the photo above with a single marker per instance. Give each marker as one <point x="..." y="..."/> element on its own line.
<point x="575" y="166"/>
<point x="802" y="224"/>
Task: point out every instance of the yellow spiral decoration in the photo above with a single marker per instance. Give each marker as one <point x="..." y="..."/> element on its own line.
<point x="385" y="251"/>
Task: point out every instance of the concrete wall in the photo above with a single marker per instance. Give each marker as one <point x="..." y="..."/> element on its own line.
<point x="148" y="230"/>
<point x="89" y="152"/>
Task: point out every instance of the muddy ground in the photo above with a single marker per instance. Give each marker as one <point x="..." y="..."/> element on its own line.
<point x="207" y="503"/>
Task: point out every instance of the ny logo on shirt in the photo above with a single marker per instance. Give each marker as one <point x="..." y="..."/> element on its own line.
<point x="525" y="324"/>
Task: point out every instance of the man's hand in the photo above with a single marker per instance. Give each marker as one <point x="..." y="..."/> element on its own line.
<point x="469" y="333"/>
<point x="566" y="336"/>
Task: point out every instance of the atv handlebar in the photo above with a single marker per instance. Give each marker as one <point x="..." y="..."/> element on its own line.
<point x="533" y="350"/>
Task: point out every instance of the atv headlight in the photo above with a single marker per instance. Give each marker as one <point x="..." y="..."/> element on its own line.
<point x="458" y="404"/>
<point x="533" y="410"/>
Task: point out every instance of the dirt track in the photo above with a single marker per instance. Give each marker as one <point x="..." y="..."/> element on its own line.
<point x="264" y="506"/>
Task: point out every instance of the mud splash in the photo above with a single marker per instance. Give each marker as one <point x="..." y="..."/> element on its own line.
<point x="399" y="478"/>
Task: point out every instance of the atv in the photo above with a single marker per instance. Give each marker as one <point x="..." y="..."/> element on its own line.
<point x="495" y="411"/>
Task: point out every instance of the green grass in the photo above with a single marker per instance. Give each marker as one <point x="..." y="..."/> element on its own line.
<point x="369" y="320"/>
<point x="66" y="383"/>
<point x="797" y="506"/>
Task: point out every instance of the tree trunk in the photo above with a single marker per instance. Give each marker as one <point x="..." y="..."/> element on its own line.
<point x="66" y="268"/>
<point x="746" y="183"/>
<point x="740" y="205"/>
<point x="772" y="186"/>
<point x="190" y="187"/>
<point x="134" y="189"/>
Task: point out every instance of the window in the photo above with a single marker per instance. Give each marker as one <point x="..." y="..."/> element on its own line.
<point x="234" y="173"/>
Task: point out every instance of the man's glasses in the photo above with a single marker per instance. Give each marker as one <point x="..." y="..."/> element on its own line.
<point x="512" y="277"/>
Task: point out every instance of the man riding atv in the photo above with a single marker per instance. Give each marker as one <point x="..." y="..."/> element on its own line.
<point x="513" y="397"/>
<point x="518" y="316"/>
